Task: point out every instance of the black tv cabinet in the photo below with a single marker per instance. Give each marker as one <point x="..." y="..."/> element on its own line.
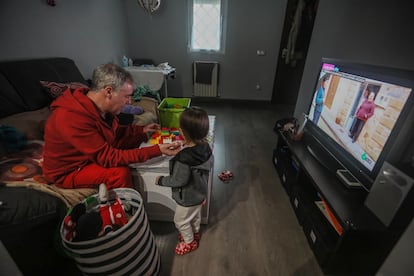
<point x="345" y="236"/>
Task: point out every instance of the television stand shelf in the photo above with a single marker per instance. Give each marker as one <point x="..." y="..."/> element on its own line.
<point x="345" y="236"/>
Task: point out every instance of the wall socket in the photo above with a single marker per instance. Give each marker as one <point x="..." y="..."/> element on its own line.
<point x="261" y="52"/>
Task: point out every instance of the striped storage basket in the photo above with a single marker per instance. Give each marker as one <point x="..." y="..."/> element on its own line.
<point x="130" y="250"/>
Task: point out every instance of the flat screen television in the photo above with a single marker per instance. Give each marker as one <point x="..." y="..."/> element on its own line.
<point x="355" y="115"/>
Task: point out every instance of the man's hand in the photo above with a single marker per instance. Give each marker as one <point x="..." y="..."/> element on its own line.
<point x="151" y="128"/>
<point x="170" y="149"/>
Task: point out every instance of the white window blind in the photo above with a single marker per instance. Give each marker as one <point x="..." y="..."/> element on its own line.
<point x="206" y="25"/>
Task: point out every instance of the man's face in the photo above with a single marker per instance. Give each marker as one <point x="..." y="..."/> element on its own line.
<point x="121" y="97"/>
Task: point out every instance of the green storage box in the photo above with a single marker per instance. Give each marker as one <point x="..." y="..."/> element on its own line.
<point x="170" y="110"/>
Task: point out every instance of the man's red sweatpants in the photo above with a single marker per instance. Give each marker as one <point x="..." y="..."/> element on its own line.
<point x="92" y="175"/>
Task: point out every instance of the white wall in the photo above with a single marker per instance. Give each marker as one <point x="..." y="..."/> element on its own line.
<point x="90" y="32"/>
<point x="251" y="26"/>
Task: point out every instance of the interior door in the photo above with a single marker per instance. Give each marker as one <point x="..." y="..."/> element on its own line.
<point x="297" y="31"/>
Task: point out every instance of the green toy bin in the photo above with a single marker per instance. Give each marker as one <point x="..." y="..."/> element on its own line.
<point x="170" y="110"/>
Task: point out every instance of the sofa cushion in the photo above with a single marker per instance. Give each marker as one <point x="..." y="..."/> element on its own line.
<point x="30" y="123"/>
<point x="144" y="119"/>
<point x="56" y="89"/>
<point x="38" y="206"/>
<point x="132" y="109"/>
<point x="10" y="101"/>
<point x="29" y="221"/>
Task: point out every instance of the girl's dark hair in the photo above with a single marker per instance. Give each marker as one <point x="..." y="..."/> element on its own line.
<point x="194" y="124"/>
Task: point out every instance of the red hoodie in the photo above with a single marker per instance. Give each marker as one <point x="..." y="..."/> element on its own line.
<point x="76" y="135"/>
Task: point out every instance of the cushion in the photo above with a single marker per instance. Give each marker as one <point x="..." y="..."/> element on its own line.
<point x="30" y="123"/>
<point x="132" y="109"/>
<point x="55" y="89"/>
<point x="144" y="119"/>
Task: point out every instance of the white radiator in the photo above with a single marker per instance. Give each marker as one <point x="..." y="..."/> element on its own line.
<point x="205" y="78"/>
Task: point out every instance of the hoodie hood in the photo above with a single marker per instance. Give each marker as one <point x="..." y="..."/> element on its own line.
<point x="70" y="102"/>
<point x="189" y="174"/>
<point x="194" y="156"/>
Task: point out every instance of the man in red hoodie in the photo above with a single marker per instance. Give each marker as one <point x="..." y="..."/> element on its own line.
<point x="85" y="145"/>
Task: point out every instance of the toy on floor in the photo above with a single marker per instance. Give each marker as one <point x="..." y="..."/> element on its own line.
<point x="165" y="136"/>
<point x="85" y="223"/>
<point x="226" y="176"/>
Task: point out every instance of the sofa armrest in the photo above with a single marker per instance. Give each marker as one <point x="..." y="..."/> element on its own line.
<point x="150" y="107"/>
<point x="29" y="222"/>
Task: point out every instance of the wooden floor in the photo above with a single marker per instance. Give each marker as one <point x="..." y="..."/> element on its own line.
<point x="252" y="228"/>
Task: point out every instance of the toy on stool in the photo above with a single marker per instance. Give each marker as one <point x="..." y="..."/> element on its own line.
<point x="165" y="136"/>
<point x="112" y="215"/>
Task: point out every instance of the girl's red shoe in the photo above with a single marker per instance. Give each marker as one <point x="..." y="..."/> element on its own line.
<point x="183" y="248"/>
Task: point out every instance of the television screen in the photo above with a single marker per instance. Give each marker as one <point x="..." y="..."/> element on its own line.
<point x="357" y="106"/>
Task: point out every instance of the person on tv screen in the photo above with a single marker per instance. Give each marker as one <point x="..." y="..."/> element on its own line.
<point x="320" y="96"/>
<point x="364" y="112"/>
<point x="361" y="100"/>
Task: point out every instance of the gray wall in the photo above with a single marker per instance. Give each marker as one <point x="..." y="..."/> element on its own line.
<point x="371" y="31"/>
<point x="97" y="31"/>
<point x="90" y="32"/>
<point x="251" y="26"/>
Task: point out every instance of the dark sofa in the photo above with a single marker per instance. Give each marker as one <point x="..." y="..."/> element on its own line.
<point x="31" y="213"/>
<point x="20" y="89"/>
<point x="29" y="218"/>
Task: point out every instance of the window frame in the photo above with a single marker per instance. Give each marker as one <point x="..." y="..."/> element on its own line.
<point x="223" y="25"/>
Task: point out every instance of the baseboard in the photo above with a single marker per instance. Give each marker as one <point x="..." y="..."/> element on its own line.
<point x="221" y="100"/>
<point x="242" y="103"/>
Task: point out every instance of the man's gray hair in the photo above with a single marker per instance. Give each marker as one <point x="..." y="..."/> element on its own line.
<point x="109" y="74"/>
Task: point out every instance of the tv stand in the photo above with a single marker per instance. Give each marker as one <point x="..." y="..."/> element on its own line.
<point x="345" y="236"/>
